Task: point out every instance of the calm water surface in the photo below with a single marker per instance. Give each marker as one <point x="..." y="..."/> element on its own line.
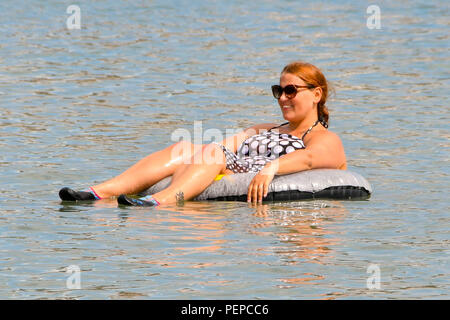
<point x="80" y="106"/>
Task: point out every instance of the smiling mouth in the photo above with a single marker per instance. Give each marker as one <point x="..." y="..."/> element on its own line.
<point x="286" y="107"/>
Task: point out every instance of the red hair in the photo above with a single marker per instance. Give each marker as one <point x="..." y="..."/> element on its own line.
<point x="313" y="77"/>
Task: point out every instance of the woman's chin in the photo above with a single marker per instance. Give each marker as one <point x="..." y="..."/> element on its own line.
<point x="288" y="115"/>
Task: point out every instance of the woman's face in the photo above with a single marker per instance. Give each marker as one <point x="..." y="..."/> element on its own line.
<point x="303" y="104"/>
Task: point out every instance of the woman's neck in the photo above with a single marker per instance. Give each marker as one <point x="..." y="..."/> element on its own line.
<point x="300" y="127"/>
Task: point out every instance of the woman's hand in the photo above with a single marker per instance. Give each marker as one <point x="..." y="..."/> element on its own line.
<point x="259" y="186"/>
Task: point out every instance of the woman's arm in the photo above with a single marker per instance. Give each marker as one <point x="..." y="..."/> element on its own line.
<point x="323" y="150"/>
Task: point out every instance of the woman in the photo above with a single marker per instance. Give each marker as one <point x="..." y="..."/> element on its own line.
<point x="301" y="95"/>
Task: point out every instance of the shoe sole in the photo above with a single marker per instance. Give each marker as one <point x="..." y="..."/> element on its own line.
<point x="127" y="201"/>
<point x="124" y="200"/>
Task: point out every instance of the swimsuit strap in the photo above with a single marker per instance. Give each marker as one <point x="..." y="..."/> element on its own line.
<point x="310" y="128"/>
<point x="278" y="126"/>
<point x="307" y="131"/>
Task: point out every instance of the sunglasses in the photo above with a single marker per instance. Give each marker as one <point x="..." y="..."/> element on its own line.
<point x="290" y="90"/>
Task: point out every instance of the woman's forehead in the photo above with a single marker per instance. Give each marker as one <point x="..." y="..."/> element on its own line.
<point x="289" y="78"/>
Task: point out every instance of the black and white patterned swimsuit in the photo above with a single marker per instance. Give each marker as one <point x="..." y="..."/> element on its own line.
<point x="256" y="151"/>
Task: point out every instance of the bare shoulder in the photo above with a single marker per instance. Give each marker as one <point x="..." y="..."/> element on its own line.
<point x="327" y="148"/>
<point x="324" y="137"/>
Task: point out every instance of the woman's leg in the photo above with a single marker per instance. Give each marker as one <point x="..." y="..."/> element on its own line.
<point x="191" y="179"/>
<point x="148" y="171"/>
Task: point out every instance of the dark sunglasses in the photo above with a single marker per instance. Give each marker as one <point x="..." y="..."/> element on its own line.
<point x="290" y="90"/>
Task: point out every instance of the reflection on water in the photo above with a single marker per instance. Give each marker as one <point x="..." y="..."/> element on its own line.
<point x="78" y="107"/>
<point x="303" y="229"/>
<point x="289" y="235"/>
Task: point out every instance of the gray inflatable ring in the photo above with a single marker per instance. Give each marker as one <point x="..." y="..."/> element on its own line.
<point x="310" y="184"/>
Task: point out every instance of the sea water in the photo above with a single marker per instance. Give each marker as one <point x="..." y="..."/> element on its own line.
<point x="80" y="105"/>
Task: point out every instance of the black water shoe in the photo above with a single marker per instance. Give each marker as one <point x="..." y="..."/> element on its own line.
<point x="147" y="201"/>
<point x="67" y="194"/>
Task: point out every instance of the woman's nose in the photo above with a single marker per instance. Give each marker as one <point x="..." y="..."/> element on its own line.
<point x="283" y="97"/>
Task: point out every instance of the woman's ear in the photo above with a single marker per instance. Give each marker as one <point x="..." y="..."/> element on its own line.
<point x="317" y="94"/>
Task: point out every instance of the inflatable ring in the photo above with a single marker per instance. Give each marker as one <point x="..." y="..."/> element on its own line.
<point x="310" y="184"/>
